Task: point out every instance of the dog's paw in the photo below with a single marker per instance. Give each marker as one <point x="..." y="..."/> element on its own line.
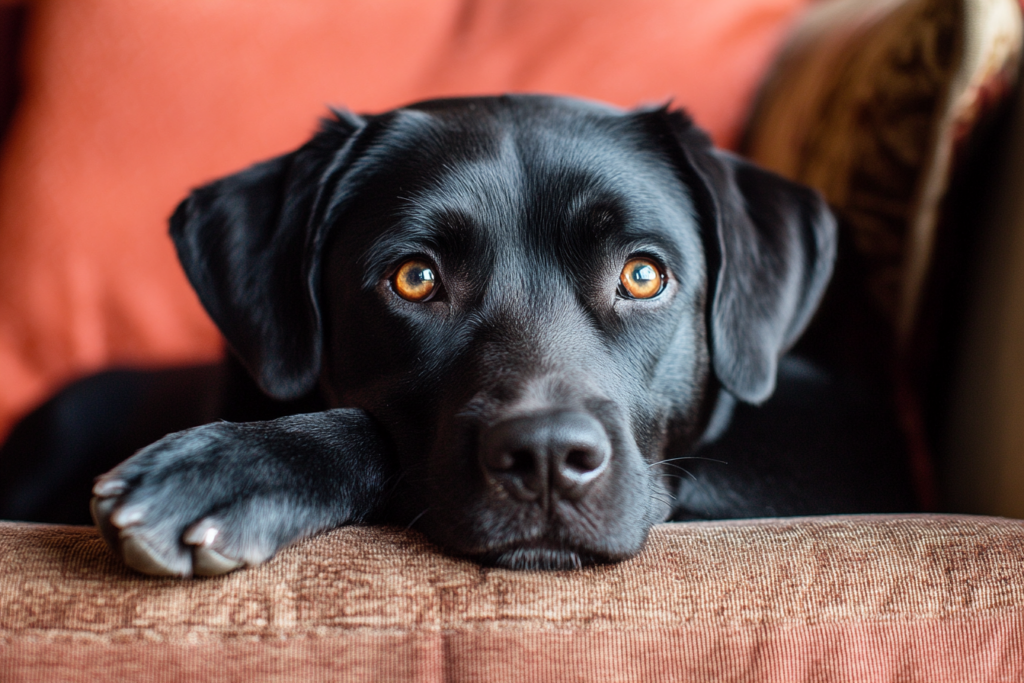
<point x="202" y="502"/>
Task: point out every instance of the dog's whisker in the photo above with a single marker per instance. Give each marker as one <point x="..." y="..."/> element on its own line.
<point x="687" y="457"/>
<point x="417" y="518"/>
<point x="686" y="474"/>
<point x="651" y="516"/>
<point x="685" y="471"/>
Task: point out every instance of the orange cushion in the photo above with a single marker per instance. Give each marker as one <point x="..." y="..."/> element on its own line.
<point x="128" y="104"/>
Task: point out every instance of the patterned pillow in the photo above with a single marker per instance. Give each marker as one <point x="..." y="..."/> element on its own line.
<point x="870" y="102"/>
<point x="883" y="106"/>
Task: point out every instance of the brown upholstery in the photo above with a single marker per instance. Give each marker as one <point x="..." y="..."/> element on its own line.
<point x="876" y="598"/>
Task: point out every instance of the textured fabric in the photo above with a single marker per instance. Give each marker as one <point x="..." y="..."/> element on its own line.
<point x="873" y="598"/>
<point x="128" y="104"/>
<point x="868" y="102"/>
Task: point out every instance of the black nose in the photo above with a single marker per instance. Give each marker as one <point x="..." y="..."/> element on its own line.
<point x="537" y="455"/>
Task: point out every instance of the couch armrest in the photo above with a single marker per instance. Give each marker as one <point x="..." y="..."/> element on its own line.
<point x="845" y="598"/>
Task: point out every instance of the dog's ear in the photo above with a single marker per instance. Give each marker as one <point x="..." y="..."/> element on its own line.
<point x="248" y="244"/>
<point x="770" y="246"/>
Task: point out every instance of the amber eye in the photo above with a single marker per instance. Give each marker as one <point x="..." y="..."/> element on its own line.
<point x="641" y="278"/>
<point x="415" y="280"/>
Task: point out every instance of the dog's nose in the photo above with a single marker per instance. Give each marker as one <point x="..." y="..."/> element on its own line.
<point x="559" y="452"/>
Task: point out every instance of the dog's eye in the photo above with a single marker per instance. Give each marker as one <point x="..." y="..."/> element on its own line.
<point x="641" y="278"/>
<point x="415" y="280"/>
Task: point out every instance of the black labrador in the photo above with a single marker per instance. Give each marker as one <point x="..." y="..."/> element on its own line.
<point x="523" y="312"/>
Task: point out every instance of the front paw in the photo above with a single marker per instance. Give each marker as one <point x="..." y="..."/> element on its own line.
<point x="202" y="502"/>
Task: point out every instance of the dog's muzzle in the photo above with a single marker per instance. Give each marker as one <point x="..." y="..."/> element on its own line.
<point x="548" y="455"/>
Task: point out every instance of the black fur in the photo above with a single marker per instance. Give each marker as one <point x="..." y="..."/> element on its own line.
<point x="520" y="415"/>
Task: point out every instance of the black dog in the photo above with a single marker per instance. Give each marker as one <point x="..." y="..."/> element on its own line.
<point x="516" y="307"/>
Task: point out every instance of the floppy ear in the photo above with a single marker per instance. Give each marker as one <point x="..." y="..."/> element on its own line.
<point x="248" y="245"/>
<point x="770" y="245"/>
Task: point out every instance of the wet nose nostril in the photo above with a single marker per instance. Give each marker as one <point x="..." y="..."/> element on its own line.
<point x="583" y="460"/>
<point x="558" y="452"/>
<point x="579" y="467"/>
<point x="510" y="461"/>
<point x="521" y="462"/>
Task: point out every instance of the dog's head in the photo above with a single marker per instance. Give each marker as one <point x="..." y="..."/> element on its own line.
<point x="535" y="297"/>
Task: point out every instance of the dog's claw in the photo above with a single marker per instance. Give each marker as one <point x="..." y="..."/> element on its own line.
<point x="204" y="533"/>
<point x="101" y="509"/>
<point x="208" y="562"/>
<point x="127" y="516"/>
<point x="205" y="560"/>
<point x="136" y="553"/>
<point x="140" y="557"/>
<point x="106" y="488"/>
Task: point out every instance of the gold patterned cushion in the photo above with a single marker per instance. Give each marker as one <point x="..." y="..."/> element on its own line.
<point x="869" y="102"/>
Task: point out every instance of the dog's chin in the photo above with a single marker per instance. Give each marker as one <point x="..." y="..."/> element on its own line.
<point x="541" y="557"/>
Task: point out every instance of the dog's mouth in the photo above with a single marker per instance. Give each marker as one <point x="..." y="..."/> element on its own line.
<point x="552" y="489"/>
<point x="541" y="555"/>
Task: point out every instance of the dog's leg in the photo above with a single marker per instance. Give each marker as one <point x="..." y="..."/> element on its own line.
<point x="225" y="495"/>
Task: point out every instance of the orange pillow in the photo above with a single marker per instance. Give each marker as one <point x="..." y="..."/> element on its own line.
<point x="128" y="104"/>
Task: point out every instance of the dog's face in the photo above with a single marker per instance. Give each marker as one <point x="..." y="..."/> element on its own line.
<point x="527" y="389"/>
<point x="536" y="298"/>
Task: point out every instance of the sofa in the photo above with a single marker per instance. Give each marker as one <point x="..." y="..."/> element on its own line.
<point x="892" y="108"/>
<point x="873" y="598"/>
